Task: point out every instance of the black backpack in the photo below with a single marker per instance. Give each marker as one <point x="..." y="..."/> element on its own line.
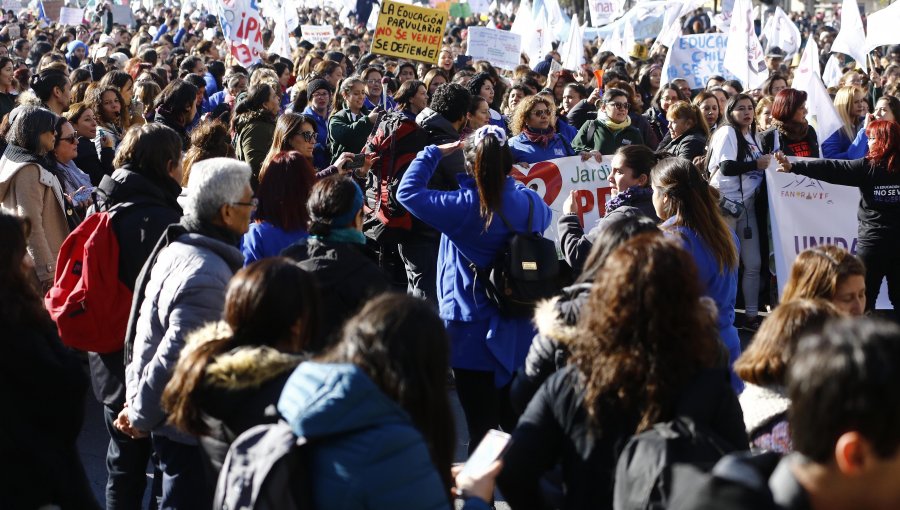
<point x="524" y="273"/>
<point x="267" y="468"/>
<point x="645" y="466"/>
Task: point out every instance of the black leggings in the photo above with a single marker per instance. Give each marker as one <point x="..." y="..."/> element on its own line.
<point x="881" y="262"/>
<point x="486" y="406"/>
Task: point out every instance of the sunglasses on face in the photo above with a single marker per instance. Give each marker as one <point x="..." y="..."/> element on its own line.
<point x="73" y="139"/>
<point x="540" y="113"/>
<point x="619" y="106"/>
<point x="309" y="136"/>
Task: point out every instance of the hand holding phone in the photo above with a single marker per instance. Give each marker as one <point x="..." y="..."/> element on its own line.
<point x="489" y="450"/>
<point x="357" y="162"/>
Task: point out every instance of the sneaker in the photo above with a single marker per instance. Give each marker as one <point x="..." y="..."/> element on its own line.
<point x="751" y="323"/>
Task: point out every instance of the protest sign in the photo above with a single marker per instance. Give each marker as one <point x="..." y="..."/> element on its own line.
<point x="805" y="213"/>
<point x="317" y="33"/>
<point x="12" y="5"/>
<point x="408" y="31"/>
<point x="242" y="25"/>
<point x="696" y="58"/>
<point x="122" y="14"/>
<point x="555" y="179"/>
<point x="71" y="16"/>
<point x="51" y="8"/>
<point x="499" y="47"/>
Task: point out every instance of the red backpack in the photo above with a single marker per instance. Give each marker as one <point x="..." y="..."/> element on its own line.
<point x="396" y="140"/>
<point x="88" y="302"/>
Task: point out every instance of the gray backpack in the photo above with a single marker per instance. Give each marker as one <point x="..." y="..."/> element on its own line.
<point x="266" y="469"/>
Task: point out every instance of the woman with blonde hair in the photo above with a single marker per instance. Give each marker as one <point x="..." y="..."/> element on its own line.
<point x="852" y="106"/>
<point x="829" y="273"/>
<point x="688" y="131"/>
<point x="536" y="139"/>
<point x="763" y="367"/>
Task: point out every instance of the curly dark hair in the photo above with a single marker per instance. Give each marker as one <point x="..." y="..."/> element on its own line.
<point x="451" y="100"/>
<point x="644" y="334"/>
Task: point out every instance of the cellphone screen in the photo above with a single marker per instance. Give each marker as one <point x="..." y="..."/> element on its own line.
<point x="489" y="449"/>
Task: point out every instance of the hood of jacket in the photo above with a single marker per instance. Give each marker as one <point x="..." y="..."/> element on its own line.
<point x="557" y="318"/>
<point x="327" y="399"/>
<point x="331" y="261"/>
<point x="435" y="124"/>
<point x="242" y="120"/>
<point x="126" y="185"/>
<point x="232" y="378"/>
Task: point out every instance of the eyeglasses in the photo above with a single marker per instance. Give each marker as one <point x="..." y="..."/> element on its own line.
<point x="540" y="113"/>
<point x="321" y="93"/>
<point x="307" y="135"/>
<point x="73" y="139"/>
<point x="373" y="82"/>
<point x="254" y="203"/>
<point x="619" y="106"/>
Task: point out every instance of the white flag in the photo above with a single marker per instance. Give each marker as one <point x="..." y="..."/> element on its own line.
<point x="883" y="27"/>
<point x="286" y="21"/>
<point x="782" y="32"/>
<point x="744" y="55"/>
<point x="532" y="26"/>
<point x="832" y="74"/>
<point x="572" y="51"/>
<point x="851" y="40"/>
<point x="820" y="108"/>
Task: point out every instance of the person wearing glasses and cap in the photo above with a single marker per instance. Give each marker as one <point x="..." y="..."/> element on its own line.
<point x="612" y="128"/>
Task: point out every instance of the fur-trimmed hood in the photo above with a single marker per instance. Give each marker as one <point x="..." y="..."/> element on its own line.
<point x="557" y="318"/>
<point x="243" y="367"/>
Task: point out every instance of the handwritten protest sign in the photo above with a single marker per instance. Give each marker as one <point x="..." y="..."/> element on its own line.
<point x="405" y="31"/>
<point x="242" y="25"/>
<point x="696" y="58"/>
<point x="499" y="47"/>
<point x="555" y="179"/>
<point x="317" y="33"/>
<point x="71" y="16"/>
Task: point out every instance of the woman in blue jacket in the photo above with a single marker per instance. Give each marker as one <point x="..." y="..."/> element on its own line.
<point x="377" y="414"/>
<point x="536" y="139"/>
<point x="487" y="347"/>
<point x="690" y="212"/>
<point x="849" y="141"/>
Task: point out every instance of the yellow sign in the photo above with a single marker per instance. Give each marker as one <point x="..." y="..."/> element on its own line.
<point x="410" y="32"/>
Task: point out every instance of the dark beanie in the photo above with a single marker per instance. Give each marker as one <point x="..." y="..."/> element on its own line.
<point x="477" y="82"/>
<point x="317" y="84"/>
<point x="543" y="67"/>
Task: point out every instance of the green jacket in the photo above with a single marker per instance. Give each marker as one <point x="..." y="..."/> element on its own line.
<point x="254" y="132"/>
<point x="594" y="135"/>
<point x="345" y="135"/>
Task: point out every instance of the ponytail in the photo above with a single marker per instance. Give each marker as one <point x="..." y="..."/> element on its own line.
<point x="492" y="162"/>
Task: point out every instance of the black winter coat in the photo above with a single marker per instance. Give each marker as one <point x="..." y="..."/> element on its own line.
<point x="555" y="429"/>
<point x="787" y="146"/>
<point x="346" y="278"/>
<point x="687" y="146"/>
<point x="137" y="228"/>
<point x="96" y="166"/>
<point x="42" y="390"/>
<point x="555" y="320"/>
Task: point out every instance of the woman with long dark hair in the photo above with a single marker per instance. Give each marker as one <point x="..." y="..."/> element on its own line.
<point x="689" y="210"/>
<point x="46" y="413"/>
<point x="7" y="87"/>
<point x="412" y="98"/>
<point x="53" y="89"/>
<point x="107" y="103"/>
<point x="281" y="217"/>
<point x="30" y="186"/>
<point x="476" y="223"/>
<point x="231" y="371"/>
<point x="253" y="126"/>
<point x="878" y="178"/>
<point x="791" y="133"/>
<point x="377" y="412"/>
<point x="666" y="96"/>
<point x="175" y="107"/>
<point x="736" y="167"/>
<point x="645" y="352"/>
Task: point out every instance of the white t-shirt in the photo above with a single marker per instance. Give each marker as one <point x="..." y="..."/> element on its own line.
<point x="723" y="147"/>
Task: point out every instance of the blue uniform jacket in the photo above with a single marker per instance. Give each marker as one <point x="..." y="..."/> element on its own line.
<point x="839" y="146"/>
<point x="321" y="154"/>
<point x="456" y="215"/>
<point x="530" y="152"/>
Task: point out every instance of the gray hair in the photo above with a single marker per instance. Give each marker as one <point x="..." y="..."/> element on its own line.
<point x="215" y="182"/>
<point x="27" y="124"/>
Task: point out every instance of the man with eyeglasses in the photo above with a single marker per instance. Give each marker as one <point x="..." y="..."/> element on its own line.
<point x="319" y="94"/>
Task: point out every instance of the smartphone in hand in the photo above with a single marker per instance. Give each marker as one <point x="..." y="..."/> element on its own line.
<point x="491" y="448"/>
<point x="357" y="162"/>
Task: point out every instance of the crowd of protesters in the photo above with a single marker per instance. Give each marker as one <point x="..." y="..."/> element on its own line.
<point x="246" y="202"/>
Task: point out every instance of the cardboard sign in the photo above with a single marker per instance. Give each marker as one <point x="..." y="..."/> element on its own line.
<point x="317" y="33"/>
<point x="71" y="16"/>
<point x="555" y="179"/>
<point x="499" y="47"/>
<point x="406" y="31"/>
<point x="696" y="58"/>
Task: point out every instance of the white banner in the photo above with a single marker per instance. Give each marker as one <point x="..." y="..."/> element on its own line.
<point x="805" y="213"/>
<point x="317" y="33"/>
<point x="122" y="14"/>
<point x="499" y="47"/>
<point x="555" y="179"/>
<point x="71" y="16"/>
<point x="604" y="11"/>
<point x="242" y="26"/>
<point x="696" y="58"/>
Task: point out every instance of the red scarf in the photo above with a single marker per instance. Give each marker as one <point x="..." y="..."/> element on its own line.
<point x="541" y="137"/>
